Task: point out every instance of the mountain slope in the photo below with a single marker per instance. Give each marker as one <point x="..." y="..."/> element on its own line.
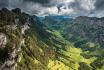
<point x="26" y="43"/>
<point x="83" y="32"/>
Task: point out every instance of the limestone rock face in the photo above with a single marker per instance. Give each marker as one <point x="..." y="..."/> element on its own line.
<point x="3" y="40"/>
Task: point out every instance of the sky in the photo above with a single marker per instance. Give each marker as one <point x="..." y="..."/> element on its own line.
<point x="73" y="8"/>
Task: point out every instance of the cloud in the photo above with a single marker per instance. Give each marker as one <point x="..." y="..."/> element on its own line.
<point x="38" y="7"/>
<point x="99" y="4"/>
<point x="57" y="7"/>
<point x="77" y="7"/>
<point x="99" y="8"/>
<point x="3" y="3"/>
<point x="39" y="1"/>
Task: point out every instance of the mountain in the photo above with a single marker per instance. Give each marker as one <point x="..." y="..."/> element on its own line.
<point x="90" y="28"/>
<point x="37" y="43"/>
<point x="84" y="32"/>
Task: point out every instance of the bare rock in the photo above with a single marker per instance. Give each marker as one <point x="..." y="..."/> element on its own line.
<point x="3" y="40"/>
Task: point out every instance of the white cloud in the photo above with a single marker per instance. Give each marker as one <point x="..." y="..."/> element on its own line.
<point x="75" y="7"/>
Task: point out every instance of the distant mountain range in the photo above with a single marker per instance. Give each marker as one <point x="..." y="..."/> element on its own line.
<point x="83" y="26"/>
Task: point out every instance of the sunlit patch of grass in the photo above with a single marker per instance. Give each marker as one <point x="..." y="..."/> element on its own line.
<point x="90" y="60"/>
<point x="73" y="53"/>
<point x="36" y="61"/>
<point x="57" y="65"/>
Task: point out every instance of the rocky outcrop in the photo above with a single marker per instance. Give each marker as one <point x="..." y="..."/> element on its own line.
<point x="3" y="40"/>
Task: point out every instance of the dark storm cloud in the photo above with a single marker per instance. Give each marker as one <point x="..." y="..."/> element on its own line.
<point x="39" y="1"/>
<point x="99" y="5"/>
<point x="3" y="3"/>
<point x="45" y="3"/>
